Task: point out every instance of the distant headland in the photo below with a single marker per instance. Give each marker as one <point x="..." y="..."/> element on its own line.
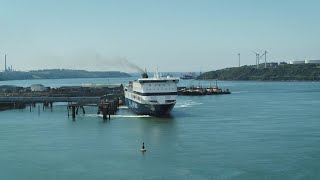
<point x="59" y="74"/>
<point x="272" y="72"/>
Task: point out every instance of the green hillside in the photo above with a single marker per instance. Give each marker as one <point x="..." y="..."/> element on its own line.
<point x="59" y="74"/>
<point x="283" y="72"/>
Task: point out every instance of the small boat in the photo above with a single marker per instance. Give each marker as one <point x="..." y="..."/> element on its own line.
<point x="192" y="91"/>
<point x="188" y="76"/>
<point x="199" y="91"/>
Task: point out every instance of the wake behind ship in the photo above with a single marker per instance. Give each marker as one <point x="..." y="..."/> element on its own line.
<point x="152" y="96"/>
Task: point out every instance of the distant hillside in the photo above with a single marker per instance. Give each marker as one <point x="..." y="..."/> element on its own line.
<point x="59" y="74"/>
<point x="284" y="72"/>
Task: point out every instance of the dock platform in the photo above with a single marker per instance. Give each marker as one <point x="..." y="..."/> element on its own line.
<point x="106" y="98"/>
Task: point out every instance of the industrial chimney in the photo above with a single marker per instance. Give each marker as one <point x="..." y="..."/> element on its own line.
<point x="5" y="63"/>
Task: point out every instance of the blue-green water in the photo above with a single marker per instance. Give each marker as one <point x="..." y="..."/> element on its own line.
<point x="263" y="130"/>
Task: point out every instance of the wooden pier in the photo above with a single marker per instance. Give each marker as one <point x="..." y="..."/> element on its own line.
<point x="107" y="99"/>
<point x="48" y="99"/>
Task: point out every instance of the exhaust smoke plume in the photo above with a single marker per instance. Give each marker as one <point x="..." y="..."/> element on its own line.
<point x="88" y="60"/>
<point x="118" y="62"/>
<point x="124" y="62"/>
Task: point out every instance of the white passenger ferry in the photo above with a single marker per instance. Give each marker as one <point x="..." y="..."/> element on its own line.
<point x="152" y="96"/>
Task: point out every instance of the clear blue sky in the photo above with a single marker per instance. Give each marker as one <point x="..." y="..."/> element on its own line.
<point x="175" y="35"/>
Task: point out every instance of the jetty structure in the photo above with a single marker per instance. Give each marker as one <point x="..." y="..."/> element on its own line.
<point x="106" y="98"/>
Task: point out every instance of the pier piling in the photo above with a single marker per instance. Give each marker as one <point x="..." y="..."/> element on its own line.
<point x="73" y="112"/>
<point x="51" y="106"/>
<point x="83" y="111"/>
<point x="104" y="112"/>
<point x="77" y="109"/>
<point x="109" y="112"/>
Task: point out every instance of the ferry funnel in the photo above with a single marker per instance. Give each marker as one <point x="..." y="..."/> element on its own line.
<point x="144" y="74"/>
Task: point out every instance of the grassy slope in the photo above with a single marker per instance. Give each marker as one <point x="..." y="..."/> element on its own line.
<point x="59" y="74"/>
<point x="280" y="73"/>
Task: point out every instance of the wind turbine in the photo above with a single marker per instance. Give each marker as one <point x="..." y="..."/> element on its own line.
<point x="239" y="59"/>
<point x="257" y="59"/>
<point x="265" y="58"/>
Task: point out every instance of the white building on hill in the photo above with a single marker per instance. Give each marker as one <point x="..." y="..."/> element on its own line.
<point x="305" y="62"/>
<point x="38" y="87"/>
<point x="296" y="62"/>
<point x="312" y="61"/>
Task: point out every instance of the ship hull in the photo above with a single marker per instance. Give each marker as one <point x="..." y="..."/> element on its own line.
<point x="149" y="109"/>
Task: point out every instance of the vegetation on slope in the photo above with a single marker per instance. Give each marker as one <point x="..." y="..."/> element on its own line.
<point x="284" y="72"/>
<point x="59" y="74"/>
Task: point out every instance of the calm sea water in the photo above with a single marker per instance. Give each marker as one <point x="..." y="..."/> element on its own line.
<point x="263" y="130"/>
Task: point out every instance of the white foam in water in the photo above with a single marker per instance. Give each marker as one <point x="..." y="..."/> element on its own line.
<point x="123" y="107"/>
<point x="91" y="115"/>
<point x="187" y="104"/>
<point x="119" y="115"/>
<point x="60" y="103"/>
<point x="130" y="116"/>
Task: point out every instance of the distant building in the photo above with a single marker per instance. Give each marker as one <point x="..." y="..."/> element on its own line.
<point x="272" y="64"/>
<point x="312" y="61"/>
<point x="38" y="87"/>
<point x="305" y="62"/>
<point x="268" y="65"/>
<point x="296" y="62"/>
